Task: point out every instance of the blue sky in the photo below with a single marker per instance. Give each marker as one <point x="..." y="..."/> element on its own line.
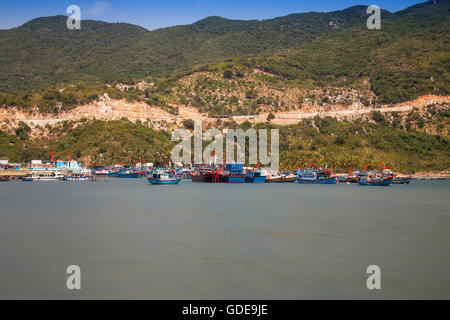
<point x="153" y="14"/>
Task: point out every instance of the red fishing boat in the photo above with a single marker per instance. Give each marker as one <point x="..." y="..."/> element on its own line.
<point x="208" y="174"/>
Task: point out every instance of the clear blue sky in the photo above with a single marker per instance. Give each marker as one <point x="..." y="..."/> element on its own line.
<point x="153" y="14"/>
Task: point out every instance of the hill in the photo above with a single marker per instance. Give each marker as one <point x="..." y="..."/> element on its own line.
<point x="404" y="143"/>
<point x="44" y="52"/>
<point x="407" y="58"/>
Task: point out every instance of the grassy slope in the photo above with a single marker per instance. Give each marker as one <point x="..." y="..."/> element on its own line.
<point x="408" y="57"/>
<point x="402" y="144"/>
<point x="44" y="52"/>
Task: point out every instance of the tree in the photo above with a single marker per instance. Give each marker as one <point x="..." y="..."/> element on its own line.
<point x="270" y="117"/>
<point x="228" y="74"/>
<point x="189" y="124"/>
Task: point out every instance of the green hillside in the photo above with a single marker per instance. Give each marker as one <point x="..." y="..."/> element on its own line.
<point x="404" y="143"/>
<point x="408" y="57"/>
<point x="44" y="52"/>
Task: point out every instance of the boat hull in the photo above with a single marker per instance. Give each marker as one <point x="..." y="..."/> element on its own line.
<point x="235" y="179"/>
<point x="401" y="181"/>
<point x="281" y="179"/>
<point x="332" y="180"/>
<point x="162" y="182"/>
<point x="256" y="180"/>
<point x="382" y="183"/>
<point x="129" y="175"/>
<point x="78" y="179"/>
<point x="208" y="178"/>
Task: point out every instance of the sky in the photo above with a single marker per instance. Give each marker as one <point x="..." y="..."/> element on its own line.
<point x="152" y="14"/>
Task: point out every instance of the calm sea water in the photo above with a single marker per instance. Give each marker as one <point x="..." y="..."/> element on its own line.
<point x="202" y="241"/>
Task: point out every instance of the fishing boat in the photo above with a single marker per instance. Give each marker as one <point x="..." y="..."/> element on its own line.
<point x="375" y="179"/>
<point x="158" y="178"/>
<point x="208" y="175"/>
<point x="401" y="180"/>
<point x="234" y="173"/>
<point x="78" y="177"/>
<point x="288" y="178"/>
<point x="101" y="172"/>
<point x="273" y="178"/>
<point x="129" y="174"/>
<point x="47" y="176"/>
<point x="281" y="178"/>
<point x="312" y="176"/>
<point x="255" y="177"/>
<point x="184" y="174"/>
<point x="4" y="179"/>
<point x="352" y="177"/>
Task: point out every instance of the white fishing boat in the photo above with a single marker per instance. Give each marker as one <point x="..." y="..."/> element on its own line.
<point x="78" y="177"/>
<point x="47" y="176"/>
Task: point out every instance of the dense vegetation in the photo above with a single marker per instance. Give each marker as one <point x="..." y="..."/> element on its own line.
<point x="102" y="143"/>
<point x="44" y="52"/>
<point x="401" y="142"/>
<point x="408" y="57"/>
<point x="227" y="67"/>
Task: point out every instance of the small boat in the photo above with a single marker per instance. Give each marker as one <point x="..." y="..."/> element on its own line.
<point x="27" y="179"/>
<point x="281" y="178"/>
<point x="352" y="177"/>
<point x="273" y="179"/>
<point x="78" y="177"/>
<point x="310" y="176"/>
<point x="255" y="177"/>
<point x="401" y="180"/>
<point x="129" y="174"/>
<point x="4" y="179"/>
<point x="287" y="178"/>
<point x="47" y="176"/>
<point x="102" y="172"/>
<point x="163" y="178"/>
<point x="370" y="179"/>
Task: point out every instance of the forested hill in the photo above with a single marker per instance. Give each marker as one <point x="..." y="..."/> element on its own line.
<point x="44" y="52"/>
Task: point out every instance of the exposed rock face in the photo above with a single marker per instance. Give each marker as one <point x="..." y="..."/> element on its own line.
<point x="334" y="25"/>
<point x="107" y="109"/>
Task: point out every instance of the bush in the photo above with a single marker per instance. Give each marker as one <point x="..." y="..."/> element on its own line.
<point x="189" y="124"/>
<point x="228" y="74"/>
<point x="377" y="116"/>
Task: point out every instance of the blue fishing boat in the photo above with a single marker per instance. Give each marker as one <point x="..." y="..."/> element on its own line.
<point x="255" y="177"/>
<point x="163" y="178"/>
<point x="375" y="179"/>
<point x="129" y="174"/>
<point x="312" y="176"/>
<point x="234" y="173"/>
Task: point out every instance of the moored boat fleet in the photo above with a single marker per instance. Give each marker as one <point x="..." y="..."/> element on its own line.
<point x="234" y="173"/>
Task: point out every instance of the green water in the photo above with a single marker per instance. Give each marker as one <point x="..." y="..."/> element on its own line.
<point x="202" y="241"/>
